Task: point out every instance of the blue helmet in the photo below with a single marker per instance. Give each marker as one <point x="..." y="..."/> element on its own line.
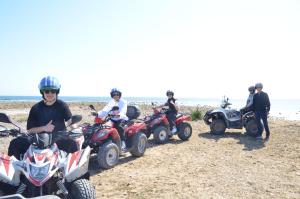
<point x="49" y="83"/>
<point x="115" y="91"/>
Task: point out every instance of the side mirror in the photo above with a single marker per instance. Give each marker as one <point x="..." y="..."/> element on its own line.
<point x="92" y="107"/>
<point x="76" y="119"/>
<point x="4" y="118"/>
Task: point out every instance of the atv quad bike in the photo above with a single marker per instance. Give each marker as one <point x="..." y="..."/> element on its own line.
<point x="224" y="118"/>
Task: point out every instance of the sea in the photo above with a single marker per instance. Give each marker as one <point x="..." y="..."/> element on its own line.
<point x="280" y="108"/>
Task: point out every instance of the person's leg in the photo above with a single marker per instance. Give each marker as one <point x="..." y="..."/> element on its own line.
<point x="171" y="118"/>
<point x="266" y="126"/>
<point x="117" y="125"/>
<point x="18" y="147"/>
<point x="258" y="121"/>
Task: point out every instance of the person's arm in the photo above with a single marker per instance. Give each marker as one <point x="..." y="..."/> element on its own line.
<point x="47" y="128"/>
<point x="67" y="114"/>
<point x="175" y="105"/>
<point x="123" y="110"/>
<point x="105" y="110"/>
<point x="33" y="125"/>
<point x="268" y="104"/>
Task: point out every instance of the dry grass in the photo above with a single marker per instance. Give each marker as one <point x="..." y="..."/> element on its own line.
<point x="206" y="166"/>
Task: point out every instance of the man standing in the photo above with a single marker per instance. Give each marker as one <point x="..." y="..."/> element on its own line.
<point x="261" y="107"/>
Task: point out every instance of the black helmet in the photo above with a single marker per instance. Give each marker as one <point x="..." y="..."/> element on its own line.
<point x="114" y="92"/>
<point x="169" y="92"/>
<point x="258" y="85"/>
<point x="251" y="89"/>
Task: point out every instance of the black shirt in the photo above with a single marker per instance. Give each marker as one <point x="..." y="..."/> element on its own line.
<point x="41" y="114"/>
<point x="261" y="102"/>
<point x="171" y="106"/>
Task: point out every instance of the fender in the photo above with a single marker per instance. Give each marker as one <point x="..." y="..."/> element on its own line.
<point x="215" y="114"/>
<point x="103" y="134"/>
<point x="134" y="128"/>
<point x="8" y="173"/>
<point x="77" y="164"/>
<point x="182" y="118"/>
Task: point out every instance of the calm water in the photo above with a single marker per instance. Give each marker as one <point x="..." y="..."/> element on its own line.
<point x="283" y="108"/>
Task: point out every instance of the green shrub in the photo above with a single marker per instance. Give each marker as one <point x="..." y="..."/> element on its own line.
<point x="197" y="114"/>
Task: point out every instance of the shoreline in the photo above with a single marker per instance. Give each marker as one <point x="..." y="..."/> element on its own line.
<point x="15" y="107"/>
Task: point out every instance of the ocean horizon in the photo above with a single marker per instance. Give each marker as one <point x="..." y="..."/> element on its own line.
<point x="280" y="108"/>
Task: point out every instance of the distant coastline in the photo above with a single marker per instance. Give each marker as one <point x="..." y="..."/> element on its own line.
<point x="280" y="108"/>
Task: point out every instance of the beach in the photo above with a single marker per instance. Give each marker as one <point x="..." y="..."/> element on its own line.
<point x="207" y="166"/>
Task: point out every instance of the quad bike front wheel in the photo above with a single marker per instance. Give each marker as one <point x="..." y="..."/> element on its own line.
<point x="108" y="155"/>
<point x="217" y="127"/>
<point x="252" y="128"/>
<point x="184" y="131"/>
<point x="161" y="134"/>
<point x="139" y="144"/>
<point x="82" y="189"/>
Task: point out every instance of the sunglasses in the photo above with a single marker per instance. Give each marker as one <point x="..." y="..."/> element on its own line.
<point x="116" y="94"/>
<point x="50" y="91"/>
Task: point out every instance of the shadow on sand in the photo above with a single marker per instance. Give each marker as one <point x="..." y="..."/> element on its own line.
<point x="250" y="143"/>
<point x="94" y="168"/>
<point x="152" y="144"/>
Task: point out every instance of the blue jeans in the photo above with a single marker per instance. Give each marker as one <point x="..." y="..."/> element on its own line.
<point x="262" y="115"/>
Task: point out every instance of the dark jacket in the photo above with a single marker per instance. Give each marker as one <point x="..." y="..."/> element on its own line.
<point x="261" y="102"/>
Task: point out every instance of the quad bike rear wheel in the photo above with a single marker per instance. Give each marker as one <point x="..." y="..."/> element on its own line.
<point x="161" y="134"/>
<point x="139" y="142"/>
<point x="217" y="127"/>
<point x="184" y="131"/>
<point x="252" y="128"/>
<point x="108" y="155"/>
<point x="82" y="189"/>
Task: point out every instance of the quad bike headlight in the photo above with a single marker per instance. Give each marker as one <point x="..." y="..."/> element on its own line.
<point x="39" y="172"/>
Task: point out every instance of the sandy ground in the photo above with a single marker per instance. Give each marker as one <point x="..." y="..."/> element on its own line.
<point x="206" y="166"/>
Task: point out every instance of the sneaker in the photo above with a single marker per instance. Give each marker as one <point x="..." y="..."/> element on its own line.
<point x="259" y="137"/>
<point x="174" y="130"/>
<point x="123" y="146"/>
<point x="267" y="139"/>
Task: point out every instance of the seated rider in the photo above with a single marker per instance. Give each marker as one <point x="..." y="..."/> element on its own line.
<point x="48" y="115"/>
<point x="172" y="110"/>
<point x="249" y="102"/>
<point x="119" y="113"/>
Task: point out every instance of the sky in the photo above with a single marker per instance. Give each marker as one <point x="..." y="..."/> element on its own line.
<point x="203" y="49"/>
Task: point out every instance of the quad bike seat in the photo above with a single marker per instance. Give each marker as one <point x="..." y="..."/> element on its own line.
<point x="178" y="115"/>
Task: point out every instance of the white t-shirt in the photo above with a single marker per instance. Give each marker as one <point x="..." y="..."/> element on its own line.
<point x="122" y="104"/>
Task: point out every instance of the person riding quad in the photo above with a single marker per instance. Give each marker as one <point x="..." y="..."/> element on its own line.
<point x="48" y="115"/>
<point x="118" y="107"/>
<point x="249" y="102"/>
<point x="172" y="110"/>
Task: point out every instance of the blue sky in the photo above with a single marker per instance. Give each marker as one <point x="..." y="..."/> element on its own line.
<point x="196" y="48"/>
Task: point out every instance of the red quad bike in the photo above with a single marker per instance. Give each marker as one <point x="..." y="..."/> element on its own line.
<point x="45" y="171"/>
<point x="158" y="125"/>
<point x="105" y="141"/>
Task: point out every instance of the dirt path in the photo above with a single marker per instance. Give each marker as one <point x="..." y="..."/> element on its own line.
<point x="206" y="166"/>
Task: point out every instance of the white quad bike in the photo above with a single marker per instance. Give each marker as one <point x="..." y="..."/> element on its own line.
<point x="224" y="118"/>
<point x="46" y="172"/>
